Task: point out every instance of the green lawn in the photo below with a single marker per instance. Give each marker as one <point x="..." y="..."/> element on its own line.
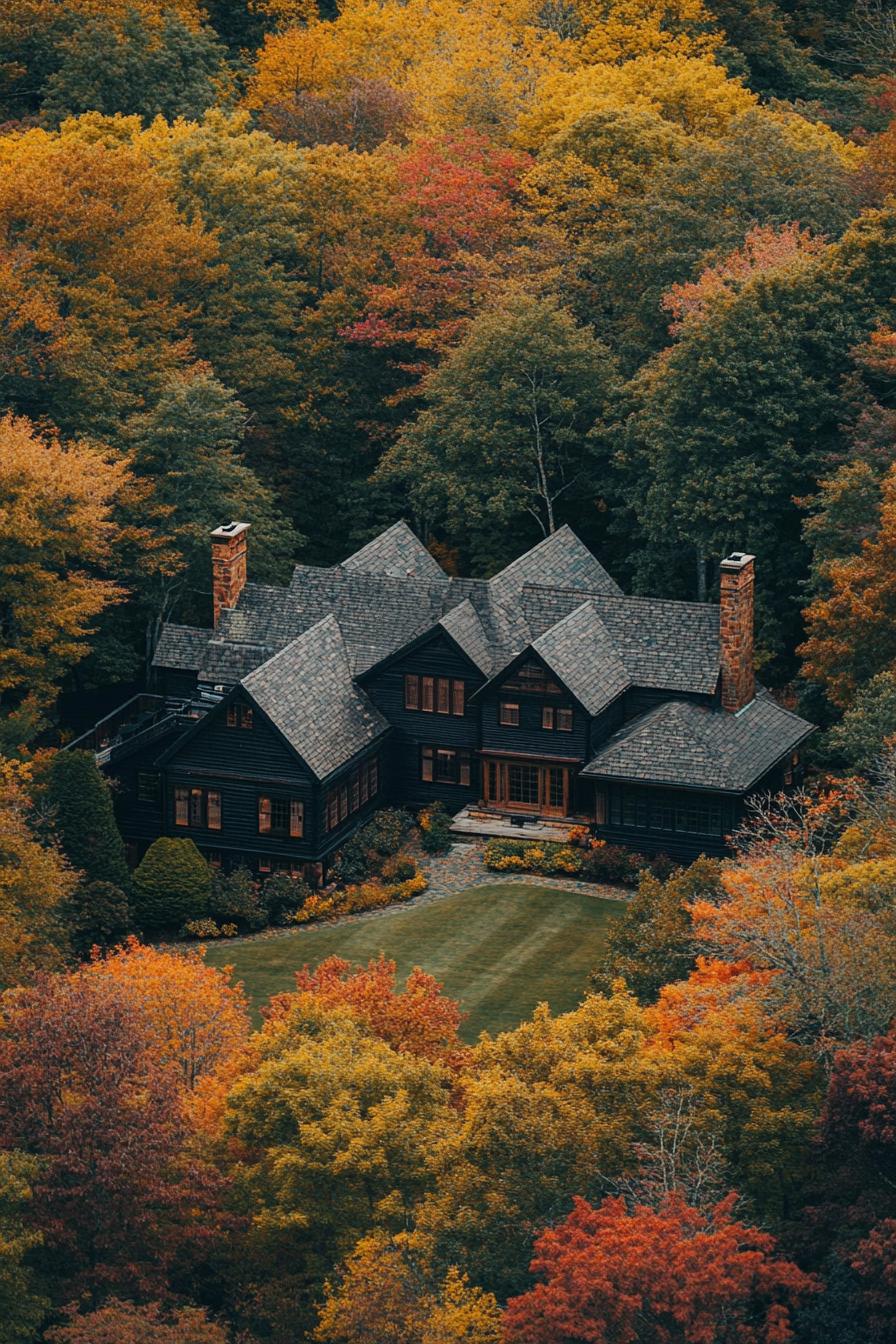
<point x="499" y="949"/>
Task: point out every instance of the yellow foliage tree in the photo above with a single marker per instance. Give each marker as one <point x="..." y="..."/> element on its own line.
<point x="35" y="881"/>
<point x="56" y="501"/>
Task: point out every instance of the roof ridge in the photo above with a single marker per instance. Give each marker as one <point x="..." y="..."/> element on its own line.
<point x="305" y="634"/>
<point x="621" y="597"/>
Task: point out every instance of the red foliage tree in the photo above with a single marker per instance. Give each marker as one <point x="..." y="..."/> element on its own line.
<point x="461" y="194"/>
<point x="654" y="1276"/>
<point x="84" y="1089"/>
<point x="417" y="1020"/>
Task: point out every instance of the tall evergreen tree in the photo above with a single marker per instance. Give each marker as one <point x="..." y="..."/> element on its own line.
<point x="84" y="818"/>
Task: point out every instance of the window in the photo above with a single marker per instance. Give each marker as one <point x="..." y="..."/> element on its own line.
<point x="264" y="865"/>
<point x="564" y="720"/>
<point x="547" y="716"/>
<point x="699" y="819"/>
<point x="600" y="807"/>
<point x="213" y="810"/>
<point x="532" y="677"/>
<point x="509" y="714"/>
<point x="434" y="695"/>
<point x="147" y="787"/>
<point x="281" y="816"/>
<point x="411" y="692"/>
<point x="239" y="716"/>
<point x="197" y="807"/>
<point x="352" y="792"/>
<point x="443" y="765"/>
<point x="214" y="858"/>
<point x="556" y="718"/>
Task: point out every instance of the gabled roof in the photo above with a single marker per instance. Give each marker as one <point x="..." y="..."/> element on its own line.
<point x="581" y="652"/>
<point x="307" y="692"/>
<point x="560" y="561"/>
<point x="695" y="746"/>
<point x="465" y="627"/>
<point x="664" y="645"/>
<point x="398" y="553"/>
<point x="181" y="646"/>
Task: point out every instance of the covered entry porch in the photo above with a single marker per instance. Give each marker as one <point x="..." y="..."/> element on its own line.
<point x="527" y="786"/>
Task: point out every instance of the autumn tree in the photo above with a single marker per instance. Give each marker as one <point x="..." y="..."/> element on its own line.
<point x="505" y="433"/>
<point x="383" y="1287"/>
<point x="416" y="1020"/>
<point x="58" y="501"/>
<point x="335" y="1127"/>
<point x="198" y="1019"/>
<point x="613" y="1274"/>
<point x="36" y="884"/>
<point x="118" y="1322"/>
<point x="85" y="1093"/>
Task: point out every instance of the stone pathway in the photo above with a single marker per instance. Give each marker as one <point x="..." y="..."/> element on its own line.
<point x="463" y="867"/>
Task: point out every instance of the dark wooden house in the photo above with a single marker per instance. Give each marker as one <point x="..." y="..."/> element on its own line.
<point x="542" y="694"/>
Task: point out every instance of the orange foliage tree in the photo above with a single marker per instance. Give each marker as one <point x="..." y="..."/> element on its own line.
<point x="611" y="1276"/>
<point x="418" y="1020"/>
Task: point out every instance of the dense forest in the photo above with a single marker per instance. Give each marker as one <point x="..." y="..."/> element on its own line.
<point x="491" y="266"/>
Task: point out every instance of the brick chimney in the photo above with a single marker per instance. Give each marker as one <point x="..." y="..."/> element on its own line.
<point x="229" y="545"/>
<point x="736" y="631"/>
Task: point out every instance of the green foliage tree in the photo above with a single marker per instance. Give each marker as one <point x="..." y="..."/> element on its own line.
<point x="164" y="69"/>
<point x="653" y="942"/>
<point x="22" y="1306"/>
<point x="98" y="914"/>
<point x="172" y="884"/>
<point x="505" y="434"/>
<point x="859" y="739"/>
<point x="235" y="900"/>
<point x="83" y="818"/>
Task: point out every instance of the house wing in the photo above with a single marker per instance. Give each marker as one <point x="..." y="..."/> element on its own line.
<point x="307" y="692"/>
<point x="581" y="652"/>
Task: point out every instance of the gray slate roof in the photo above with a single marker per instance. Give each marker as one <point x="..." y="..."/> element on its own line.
<point x="396" y="552"/>
<point x="689" y="745"/>
<point x="307" y="691"/>
<point x="583" y="654"/>
<point x="465" y="627"/>
<point x="181" y="646"/>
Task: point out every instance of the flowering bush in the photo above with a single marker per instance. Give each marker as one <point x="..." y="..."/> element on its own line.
<point x="360" y="896"/>
<point x="527" y="856"/>
<point x="399" y="868"/>
<point x="208" y="928"/>
<point x="611" y="863"/>
<point x="435" y="829"/>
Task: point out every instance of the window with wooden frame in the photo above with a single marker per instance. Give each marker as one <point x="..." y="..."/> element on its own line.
<point x="564" y="720"/>
<point x="240" y="716"/>
<point x="444" y="765"/>
<point x="427" y="694"/>
<point x="281" y="816"/>
<point x="373" y="776"/>
<point x="443" y="702"/>
<point x="547" y="716"/>
<point x="509" y="714"/>
<point x="411" y="691"/>
<point x="458" y="699"/>
<point x="351" y="793"/>
<point x="600" y="807"/>
<point x="197" y="808"/>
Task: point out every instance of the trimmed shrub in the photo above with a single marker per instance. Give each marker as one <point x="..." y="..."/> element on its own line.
<point x="172" y="885"/>
<point x="612" y="863"/>
<point x="84" y="818"/>
<point x="235" y="899"/>
<point x="435" y="829"/>
<point x="353" y="900"/>
<point x="98" y="914"/>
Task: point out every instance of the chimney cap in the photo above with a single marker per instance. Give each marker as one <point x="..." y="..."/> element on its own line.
<point x="737" y="560"/>
<point x="229" y="530"/>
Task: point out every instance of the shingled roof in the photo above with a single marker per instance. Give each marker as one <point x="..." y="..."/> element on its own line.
<point x="580" y="650"/>
<point x="699" y="746"/>
<point x="398" y="553"/>
<point x="181" y="646"/>
<point x="307" y="691"/>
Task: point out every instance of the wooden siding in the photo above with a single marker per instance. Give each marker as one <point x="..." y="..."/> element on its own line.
<point x="528" y="737"/>
<point x="651" y="839"/>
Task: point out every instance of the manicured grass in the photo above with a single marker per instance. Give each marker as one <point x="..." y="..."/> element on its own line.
<point x="499" y="949"/>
